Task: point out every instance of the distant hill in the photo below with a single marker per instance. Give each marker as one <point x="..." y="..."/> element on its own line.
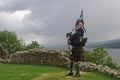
<point x="115" y="43"/>
<point x="107" y="44"/>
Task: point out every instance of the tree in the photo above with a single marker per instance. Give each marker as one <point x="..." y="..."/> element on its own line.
<point x="33" y="45"/>
<point x="101" y="57"/>
<point x="10" y="42"/>
<point x="88" y="56"/>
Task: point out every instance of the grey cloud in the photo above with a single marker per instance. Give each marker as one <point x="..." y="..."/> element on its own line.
<point x="54" y="18"/>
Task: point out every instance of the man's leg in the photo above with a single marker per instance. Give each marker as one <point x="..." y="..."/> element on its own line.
<point x="77" y="69"/>
<point x="71" y="69"/>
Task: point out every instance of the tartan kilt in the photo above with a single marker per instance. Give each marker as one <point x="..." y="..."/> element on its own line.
<point x="77" y="54"/>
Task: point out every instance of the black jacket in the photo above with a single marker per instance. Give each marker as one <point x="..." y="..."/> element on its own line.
<point x="76" y="37"/>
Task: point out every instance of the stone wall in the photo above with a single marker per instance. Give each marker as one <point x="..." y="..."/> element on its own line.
<point x="57" y="58"/>
<point x="88" y="66"/>
<point x="40" y="56"/>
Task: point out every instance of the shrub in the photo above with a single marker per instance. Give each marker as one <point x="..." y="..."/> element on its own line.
<point x="100" y="56"/>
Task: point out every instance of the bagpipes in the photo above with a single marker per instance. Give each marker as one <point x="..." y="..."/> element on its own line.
<point x="82" y="40"/>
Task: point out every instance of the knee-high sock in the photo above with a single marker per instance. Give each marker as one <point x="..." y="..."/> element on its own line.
<point x="77" y="68"/>
<point x="71" y="67"/>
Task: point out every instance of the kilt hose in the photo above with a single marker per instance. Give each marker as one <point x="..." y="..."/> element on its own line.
<point x="77" y="54"/>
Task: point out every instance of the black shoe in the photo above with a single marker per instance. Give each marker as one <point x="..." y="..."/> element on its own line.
<point x="77" y="75"/>
<point x="69" y="74"/>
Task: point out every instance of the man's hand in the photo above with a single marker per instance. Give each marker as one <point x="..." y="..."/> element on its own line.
<point x="68" y="41"/>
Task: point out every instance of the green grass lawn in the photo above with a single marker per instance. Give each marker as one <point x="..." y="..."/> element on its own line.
<point x="43" y="72"/>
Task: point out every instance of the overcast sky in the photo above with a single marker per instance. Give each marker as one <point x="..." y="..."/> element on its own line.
<point x="48" y="21"/>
